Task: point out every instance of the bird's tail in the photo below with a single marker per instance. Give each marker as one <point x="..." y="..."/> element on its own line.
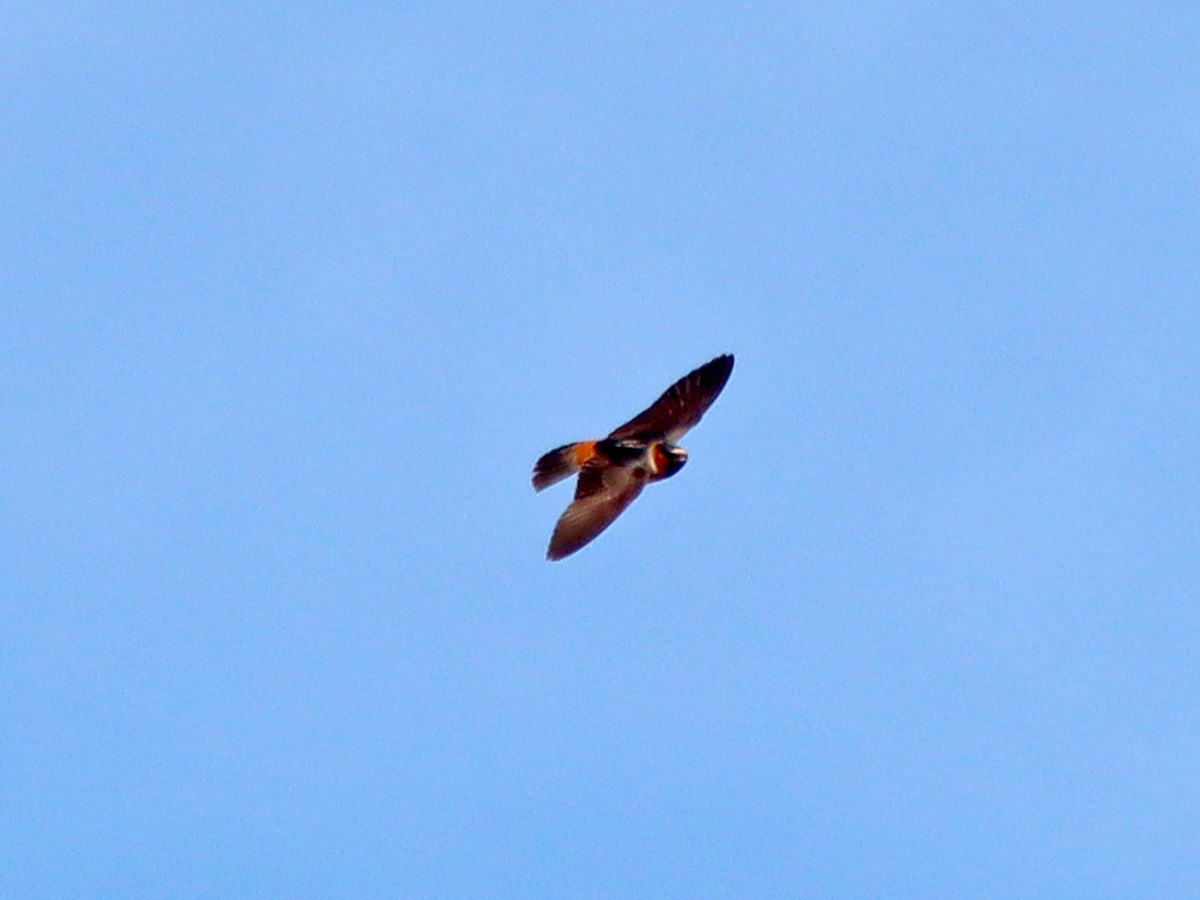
<point x="561" y="462"/>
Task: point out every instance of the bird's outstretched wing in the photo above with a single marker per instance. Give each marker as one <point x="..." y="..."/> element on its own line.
<point x="602" y="493"/>
<point x="681" y="405"/>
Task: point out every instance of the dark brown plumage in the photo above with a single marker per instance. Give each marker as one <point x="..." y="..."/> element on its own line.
<point x="613" y="471"/>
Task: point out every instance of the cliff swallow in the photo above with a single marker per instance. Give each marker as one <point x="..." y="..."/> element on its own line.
<point x="613" y="470"/>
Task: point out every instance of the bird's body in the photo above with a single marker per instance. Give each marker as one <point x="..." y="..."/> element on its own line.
<point x="613" y="470"/>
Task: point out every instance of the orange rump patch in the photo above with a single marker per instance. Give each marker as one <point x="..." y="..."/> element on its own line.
<point x="584" y="451"/>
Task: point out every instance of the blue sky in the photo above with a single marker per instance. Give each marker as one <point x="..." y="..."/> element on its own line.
<point x="295" y="296"/>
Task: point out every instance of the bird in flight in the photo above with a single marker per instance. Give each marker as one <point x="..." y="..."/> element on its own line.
<point x="613" y="471"/>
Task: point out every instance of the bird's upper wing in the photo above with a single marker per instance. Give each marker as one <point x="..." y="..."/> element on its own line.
<point x="603" y="492"/>
<point x="682" y="404"/>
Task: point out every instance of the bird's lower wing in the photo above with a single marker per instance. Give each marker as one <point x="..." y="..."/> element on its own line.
<point x="604" y="492"/>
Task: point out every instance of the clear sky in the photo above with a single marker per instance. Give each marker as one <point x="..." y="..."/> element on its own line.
<point x="295" y="295"/>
